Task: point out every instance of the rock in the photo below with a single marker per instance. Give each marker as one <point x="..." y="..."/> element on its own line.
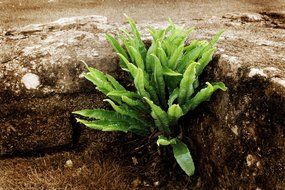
<point x="238" y="138"/>
<point x="156" y="184"/>
<point x="264" y="19"/>
<point x="68" y="164"/>
<point x="41" y="79"/>
<point x="247" y="17"/>
<point x="56" y="49"/>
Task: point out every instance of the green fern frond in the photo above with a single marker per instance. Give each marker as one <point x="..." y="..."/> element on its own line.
<point x="166" y="81"/>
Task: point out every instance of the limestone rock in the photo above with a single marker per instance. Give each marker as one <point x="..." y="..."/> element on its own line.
<point x="41" y="80"/>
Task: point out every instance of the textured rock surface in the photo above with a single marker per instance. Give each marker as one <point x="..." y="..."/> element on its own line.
<point x="42" y="82"/>
<point x="237" y="139"/>
<point x="239" y="136"/>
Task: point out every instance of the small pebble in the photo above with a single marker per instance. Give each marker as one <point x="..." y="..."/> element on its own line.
<point x="156" y="183"/>
<point x="68" y="164"/>
<point x="135" y="160"/>
<point x="137" y="182"/>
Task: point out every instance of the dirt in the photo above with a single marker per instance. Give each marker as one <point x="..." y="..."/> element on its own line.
<point x="22" y="12"/>
<point x="238" y="139"/>
<point x="238" y="134"/>
<point x="102" y="164"/>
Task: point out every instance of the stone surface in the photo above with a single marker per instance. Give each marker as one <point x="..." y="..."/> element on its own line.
<point x="237" y="139"/>
<point x="41" y="80"/>
<point x="50" y="55"/>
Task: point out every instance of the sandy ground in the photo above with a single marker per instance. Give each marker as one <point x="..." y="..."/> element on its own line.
<point x="15" y="13"/>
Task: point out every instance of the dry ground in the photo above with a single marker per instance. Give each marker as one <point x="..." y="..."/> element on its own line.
<point x="15" y="13"/>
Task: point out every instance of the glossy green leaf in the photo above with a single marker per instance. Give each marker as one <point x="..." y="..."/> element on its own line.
<point x="159" y="115"/>
<point x="162" y="56"/>
<point x="119" y="93"/>
<point x="176" y="56"/>
<point x="131" y="67"/>
<point x="174" y="113"/>
<point x="149" y="59"/>
<point x="117" y="47"/>
<point x="156" y="34"/>
<point x="174" y="95"/>
<point x="189" y="58"/>
<point x="115" y="83"/>
<point x="159" y="80"/>
<point x="180" y="152"/>
<point x="102" y="114"/>
<point x="204" y="60"/>
<point x="124" y="110"/>
<point x="183" y="157"/>
<point x="169" y="72"/>
<point x="139" y="84"/>
<point x="203" y="95"/>
<point x="163" y="141"/>
<point x="215" y="39"/>
<point x="107" y="125"/>
<point x="191" y="46"/>
<point x="137" y="35"/>
<point x="137" y="58"/>
<point x="186" y="85"/>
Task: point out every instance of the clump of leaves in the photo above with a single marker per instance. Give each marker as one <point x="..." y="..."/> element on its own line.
<point x="165" y="77"/>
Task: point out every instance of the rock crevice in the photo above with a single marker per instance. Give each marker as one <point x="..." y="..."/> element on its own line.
<point x="238" y="138"/>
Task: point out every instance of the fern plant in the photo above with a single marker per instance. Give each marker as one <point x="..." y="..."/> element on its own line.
<point x="165" y="77"/>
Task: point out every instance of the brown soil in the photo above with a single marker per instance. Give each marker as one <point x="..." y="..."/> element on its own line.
<point x="105" y="165"/>
<point x="48" y="172"/>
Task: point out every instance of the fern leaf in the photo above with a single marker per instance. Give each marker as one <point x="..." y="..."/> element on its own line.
<point x="204" y="60"/>
<point x="107" y="125"/>
<point x="162" y="56"/>
<point x="159" y="80"/>
<point x="181" y="153"/>
<point x="137" y="35"/>
<point x="137" y="58"/>
<point x="140" y="84"/>
<point x="174" y="113"/>
<point x="188" y="58"/>
<point x="163" y="141"/>
<point x="203" y="95"/>
<point x="169" y="72"/>
<point x="183" y="157"/>
<point x="119" y="93"/>
<point x="115" y="83"/>
<point x="117" y="47"/>
<point x="132" y="103"/>
<point x="124" y="110"/>
<point x="149" y="60"/>
<point x="159" y="115"/>
<point x="131" y="67"/>
<point x="174" y="95"/>
<point x="215" y="39"/>
<point x="186" y="84"/>
<point x="191" y="46"/>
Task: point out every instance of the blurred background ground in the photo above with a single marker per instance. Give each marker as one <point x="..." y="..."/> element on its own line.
<point x="15" y="13"/>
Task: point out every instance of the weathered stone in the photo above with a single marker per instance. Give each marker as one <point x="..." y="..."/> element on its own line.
<point x="50" y="56"/>
<point x="42" y="77"/>
<point x="238" y="137"/>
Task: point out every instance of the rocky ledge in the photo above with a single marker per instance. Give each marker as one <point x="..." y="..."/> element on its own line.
<point x="237" y="139"/>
